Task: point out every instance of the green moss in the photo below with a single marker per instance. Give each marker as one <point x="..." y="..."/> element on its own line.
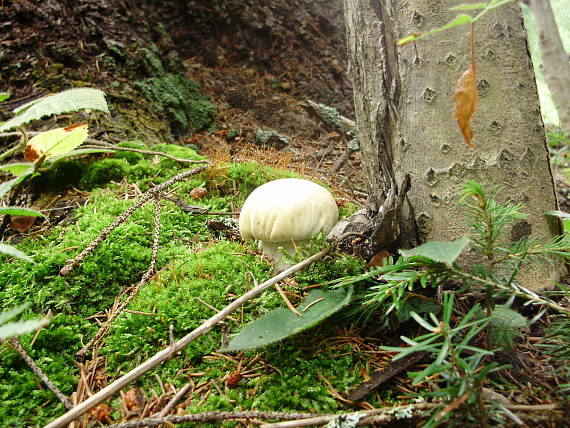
<point x="63" y="175"/>
<point x="102" y="172"/>
<point x="190" y="264"/>
<point x="180" y="100"/>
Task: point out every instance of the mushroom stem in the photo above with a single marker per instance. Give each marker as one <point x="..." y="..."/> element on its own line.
<point x="273" y="252"/>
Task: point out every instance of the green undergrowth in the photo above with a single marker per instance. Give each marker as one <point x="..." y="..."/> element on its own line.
<point x="192" y="262"/>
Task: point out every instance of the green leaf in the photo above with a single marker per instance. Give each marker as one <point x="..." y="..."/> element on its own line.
<point x="472" y="6"/>
<point x="20" y="211"/>
<point x="18" y="328"/>
<point x="4" y="96"/>
<point x="14" y="252"/>
<point x="7" y="185"/>
<point x="506" y="324"/>
<point x="63" y="102"/>
<point x="56" y="142"/>
<point x="16" y="168"/>
<point x="282" y="323"/>
<point x="439" y="251"/>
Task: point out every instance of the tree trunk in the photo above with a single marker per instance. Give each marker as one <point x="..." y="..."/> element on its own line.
<point x="555" y="60"/>
<point x="403" y="103"/>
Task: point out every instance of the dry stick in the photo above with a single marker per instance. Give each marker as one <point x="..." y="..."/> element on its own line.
<point x="101" y="145"/>
<point x="175" y="400"/>
<point x="214" y="416"/>
<point x="32" y="365"/>
<point x="145" y="278"/>
<point x="386" y="415"/>
<point x="148" y="195"/>
<point x="169" y="352"/>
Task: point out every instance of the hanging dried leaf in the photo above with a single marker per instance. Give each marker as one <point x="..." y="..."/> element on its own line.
<point x="466" y="98"/>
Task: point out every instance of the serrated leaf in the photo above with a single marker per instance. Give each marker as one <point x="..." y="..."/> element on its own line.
<point x="466" y="98"/>
<point x="16" y="168"/>
<point x="55" y="142"/>
<point x="62" y="102"/>
<point x="18" y="328"/>
<point x="472" y="6"/>
<point x="282" y="323"/>
<point x="438" y="251"/>
<point x="14" y="252"/>
<point x="20" y="211"/>
<point x="4" y="96"/>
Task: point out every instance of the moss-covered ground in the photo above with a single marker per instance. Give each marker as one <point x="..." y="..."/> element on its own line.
<point x="193" y="263"/>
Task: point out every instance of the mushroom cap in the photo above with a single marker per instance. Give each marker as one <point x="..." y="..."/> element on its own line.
<point x="288" y="209"/>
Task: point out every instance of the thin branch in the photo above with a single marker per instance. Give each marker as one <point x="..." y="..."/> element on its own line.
<point x="211" y="417"/>
<point x="34" y="367"/>
<point x="517" y="289"/>
<point x="367" y="417"/>
<point x="148" y="195"/>
<point x="101" y="145"/>
<point x="145" y="278"/>
<point x="169" y="352"/>
<point x="177" y="397"/>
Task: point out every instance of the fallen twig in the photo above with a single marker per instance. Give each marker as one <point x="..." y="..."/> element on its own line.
<point x="382" y="375"/>
<point x="367" y="417"/>
<point x="145" y="278"/>
<point x="34" y="367"/>
<point x="148" y="195"/>
<point x="169" y="352"/>
<point x="210" y="417"/>
<point x="177" y="397"/>
<point x="102" y="145"/>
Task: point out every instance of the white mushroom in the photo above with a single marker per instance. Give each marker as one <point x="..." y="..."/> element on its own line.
<point x="285" y="213"/>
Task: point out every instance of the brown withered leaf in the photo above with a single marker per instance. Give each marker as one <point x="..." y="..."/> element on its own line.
<point x="466" y="98"/>
<point x="22" y="223"/>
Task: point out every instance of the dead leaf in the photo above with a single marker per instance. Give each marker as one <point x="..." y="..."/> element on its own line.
<point x="22" y="223"/>
<point x="198" y="193"/>
<point x="466" y="98"/>
<point x="378" y="259"/>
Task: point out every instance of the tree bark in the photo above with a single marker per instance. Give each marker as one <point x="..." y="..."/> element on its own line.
<point x="403" y="109"/>
<point x="556" y="66"/>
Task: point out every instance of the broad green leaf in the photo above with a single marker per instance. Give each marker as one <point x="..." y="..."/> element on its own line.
<point x="16" y="168"/>
<point x="18" y="328"/>
<point x="14" y="252"/>
<point x="282" y="323"/>
<point x="62" y="102"/>
<point x="472" y="6"/>
<point x="505" y="325"/>
<point x="6" y="186"/>
<point x="20" y="211"/>
<point x="12" y="312"/>
<point x="55" y="142"/>
<point x="4" y="96"/>
<point x="439" y="251"/>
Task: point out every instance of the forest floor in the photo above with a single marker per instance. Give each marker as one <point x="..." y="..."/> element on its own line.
<point x="259" y="84"/>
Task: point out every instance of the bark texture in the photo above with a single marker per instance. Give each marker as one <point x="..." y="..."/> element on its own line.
<point x="556" y="66"/>
<point x="403" y="109"/>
